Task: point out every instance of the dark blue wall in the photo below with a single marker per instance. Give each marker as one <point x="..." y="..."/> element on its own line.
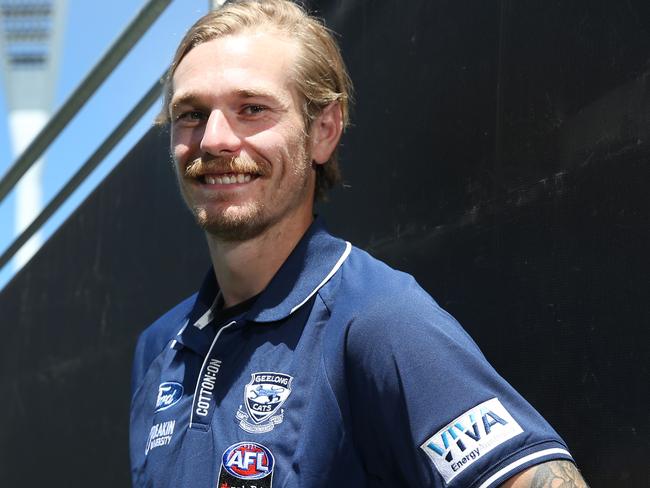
<point x="499" y="153"/>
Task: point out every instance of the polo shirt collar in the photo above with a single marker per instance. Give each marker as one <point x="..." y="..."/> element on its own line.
<point x="194" y="333"/>
<point x="311" y="264"/>
<point x="315" y="259"/>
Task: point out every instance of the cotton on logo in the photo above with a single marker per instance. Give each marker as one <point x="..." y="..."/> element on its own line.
<point x="467" y="438"/>
<point x="248" y="461"/>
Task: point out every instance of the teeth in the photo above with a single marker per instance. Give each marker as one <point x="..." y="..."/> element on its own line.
<point x="228" y="179"/>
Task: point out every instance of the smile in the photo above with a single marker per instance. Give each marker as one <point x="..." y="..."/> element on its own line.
<point x="228" y="179"/>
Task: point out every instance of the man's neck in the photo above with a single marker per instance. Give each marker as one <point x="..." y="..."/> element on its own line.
<point x="243" y="269"/>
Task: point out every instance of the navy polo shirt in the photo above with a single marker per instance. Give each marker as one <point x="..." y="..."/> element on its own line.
<point x="342" y="372"/>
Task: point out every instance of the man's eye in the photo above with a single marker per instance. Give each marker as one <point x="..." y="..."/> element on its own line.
<point x="253" y="109"/>
<point x="192" y="115"/>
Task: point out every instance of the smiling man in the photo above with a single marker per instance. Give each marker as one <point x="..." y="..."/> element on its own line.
<point x="302" y="361"/>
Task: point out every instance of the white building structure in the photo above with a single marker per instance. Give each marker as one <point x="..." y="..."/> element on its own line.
<point x="31" y="33"/>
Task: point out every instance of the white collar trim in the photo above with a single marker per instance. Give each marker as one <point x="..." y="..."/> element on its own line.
<point x="339" y="263"/>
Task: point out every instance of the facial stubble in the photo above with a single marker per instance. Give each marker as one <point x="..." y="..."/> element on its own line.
<point x="246" y="220"/>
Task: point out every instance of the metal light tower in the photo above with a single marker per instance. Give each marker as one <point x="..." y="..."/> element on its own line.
<point x="216" y="4"/>
<point x="31" y="32"/>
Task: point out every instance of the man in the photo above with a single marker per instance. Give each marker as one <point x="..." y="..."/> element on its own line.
<point x="302" y="361"/>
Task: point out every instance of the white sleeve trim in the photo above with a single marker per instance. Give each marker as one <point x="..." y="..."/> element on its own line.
<point x="511" y="467"/>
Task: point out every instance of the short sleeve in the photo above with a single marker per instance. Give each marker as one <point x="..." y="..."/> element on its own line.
<point x="428" y="409"/>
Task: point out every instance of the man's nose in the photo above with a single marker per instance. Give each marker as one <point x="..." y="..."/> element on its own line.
<point x="219" y="136"/>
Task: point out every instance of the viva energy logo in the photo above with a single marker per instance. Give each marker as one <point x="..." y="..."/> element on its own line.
<point x="469" y="437"/>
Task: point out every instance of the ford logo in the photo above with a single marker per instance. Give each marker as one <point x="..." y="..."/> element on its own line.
<point x="169" y="394"/>
<point x="248" y="461"/>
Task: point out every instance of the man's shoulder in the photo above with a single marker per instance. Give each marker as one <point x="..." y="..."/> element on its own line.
<point x="167" y="325"/>
<point x="378" y="303"/>
<point x="369" y="283"/>
<point x="154" y="338"/>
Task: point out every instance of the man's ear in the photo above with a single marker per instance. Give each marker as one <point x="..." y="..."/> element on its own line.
<point x="326" y="131"/>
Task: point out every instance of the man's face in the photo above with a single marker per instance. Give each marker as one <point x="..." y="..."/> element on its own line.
<point x="237" y="135"/>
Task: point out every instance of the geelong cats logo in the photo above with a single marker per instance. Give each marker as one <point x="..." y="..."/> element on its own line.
<point x="263" y="397"/>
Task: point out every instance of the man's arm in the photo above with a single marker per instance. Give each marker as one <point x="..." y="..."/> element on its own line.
<point x="552" y="474"/>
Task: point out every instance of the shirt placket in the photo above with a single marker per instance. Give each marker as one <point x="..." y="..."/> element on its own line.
<point x="204" y="402"/>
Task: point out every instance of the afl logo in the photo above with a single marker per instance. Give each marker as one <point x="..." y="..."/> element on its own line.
<point x="169" y="394"/>
<point x="248" y="461"/>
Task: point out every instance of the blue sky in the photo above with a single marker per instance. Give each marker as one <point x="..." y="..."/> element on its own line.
<point x="91" y="28"/>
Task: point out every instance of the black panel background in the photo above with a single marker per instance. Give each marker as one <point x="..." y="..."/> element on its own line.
<point x="499" y="153"/>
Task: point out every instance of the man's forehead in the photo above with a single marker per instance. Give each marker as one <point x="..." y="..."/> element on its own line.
<point x="257" y="63"/>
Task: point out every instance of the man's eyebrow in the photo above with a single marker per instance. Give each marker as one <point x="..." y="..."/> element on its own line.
<point x="184" y="98"/>
<point x="261" y="93"/>
<point x="254" y="93"/>
<point x="194" y="99"/>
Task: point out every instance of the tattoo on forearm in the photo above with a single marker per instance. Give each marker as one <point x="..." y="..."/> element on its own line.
<point x="557" y="474"/>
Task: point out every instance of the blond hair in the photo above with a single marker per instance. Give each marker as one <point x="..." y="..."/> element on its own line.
<point x="320" y="75"/>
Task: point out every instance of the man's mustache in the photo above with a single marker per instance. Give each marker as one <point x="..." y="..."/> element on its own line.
<point x="220" y="165"/>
